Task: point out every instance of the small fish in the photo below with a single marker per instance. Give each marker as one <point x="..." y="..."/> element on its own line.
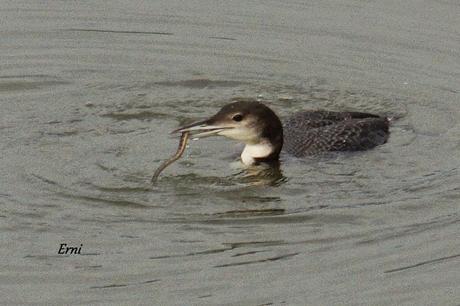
<point x="180" y="150"/>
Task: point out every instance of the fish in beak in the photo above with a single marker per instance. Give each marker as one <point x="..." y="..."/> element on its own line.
<point x="206" y="127"/>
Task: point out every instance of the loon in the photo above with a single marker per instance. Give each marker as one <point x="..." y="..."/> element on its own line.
<point x="302" y="134"/>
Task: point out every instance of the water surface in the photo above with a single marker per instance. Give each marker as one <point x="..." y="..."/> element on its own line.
<point x="90" y="90"/>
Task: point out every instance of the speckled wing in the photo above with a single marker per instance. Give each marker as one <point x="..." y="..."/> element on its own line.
<point x="320" y="118"/>
<point x="310" y="133"/>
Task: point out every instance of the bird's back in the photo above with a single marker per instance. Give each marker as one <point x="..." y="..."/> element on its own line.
<point x="314" y="132"/>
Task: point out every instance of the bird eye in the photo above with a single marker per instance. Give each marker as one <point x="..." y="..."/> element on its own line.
<point x="237" y="117"/>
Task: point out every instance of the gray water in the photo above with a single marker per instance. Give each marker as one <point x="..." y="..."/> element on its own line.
<point x="89" y="91"/>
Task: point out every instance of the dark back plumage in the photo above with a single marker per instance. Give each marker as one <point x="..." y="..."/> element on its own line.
<point x="313" y="132"/>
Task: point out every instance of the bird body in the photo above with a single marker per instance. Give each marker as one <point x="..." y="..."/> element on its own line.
<point x="302" y="134"/>
<point x="314" y="132"/>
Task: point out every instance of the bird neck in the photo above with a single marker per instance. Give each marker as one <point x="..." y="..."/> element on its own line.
<point x="267" y="146"/>
<point x="265" y="151"/>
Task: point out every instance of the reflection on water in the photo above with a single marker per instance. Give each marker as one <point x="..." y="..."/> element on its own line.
<point x="89" y="92"/>
<point x="262" y="175"/>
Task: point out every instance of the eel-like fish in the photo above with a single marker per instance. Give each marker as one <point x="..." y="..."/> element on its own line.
<point x="180" y="150"/>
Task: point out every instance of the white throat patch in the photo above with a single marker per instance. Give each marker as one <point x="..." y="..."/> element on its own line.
<point x="252" y="151"/>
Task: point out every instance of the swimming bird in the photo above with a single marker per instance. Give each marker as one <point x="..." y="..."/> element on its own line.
<point x="302" y="134"/>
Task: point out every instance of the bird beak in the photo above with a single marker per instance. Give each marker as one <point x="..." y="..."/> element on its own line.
<point x="205" y="127"/>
